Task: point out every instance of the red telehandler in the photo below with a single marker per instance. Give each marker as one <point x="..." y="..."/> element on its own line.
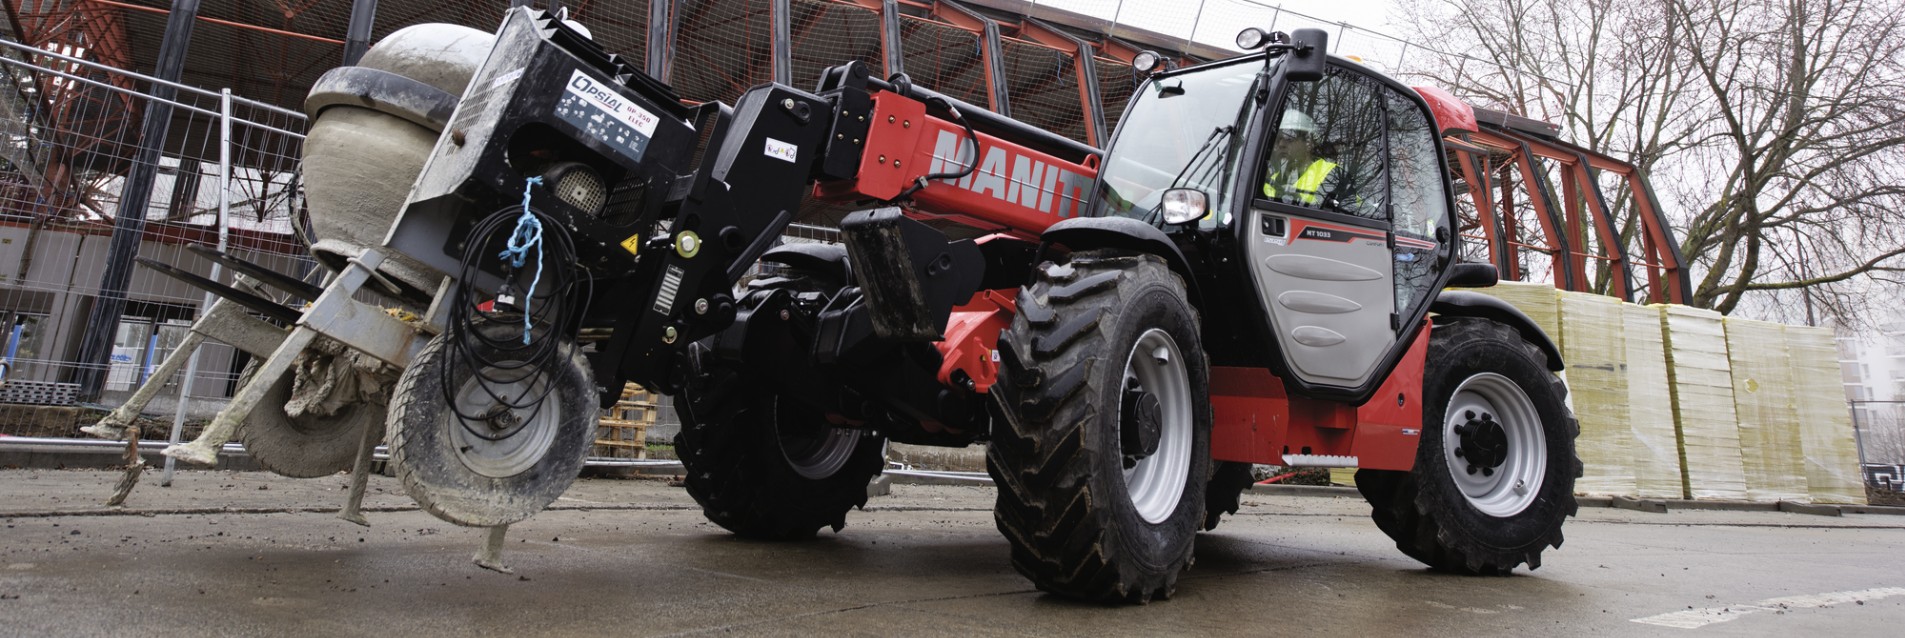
<point x="1253" y="272"/>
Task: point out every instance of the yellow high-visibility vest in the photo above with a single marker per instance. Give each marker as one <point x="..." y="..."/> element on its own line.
<point x="1309" y="184"/>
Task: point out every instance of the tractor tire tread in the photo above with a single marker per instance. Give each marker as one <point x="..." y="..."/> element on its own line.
<point x="1040" y="454"/>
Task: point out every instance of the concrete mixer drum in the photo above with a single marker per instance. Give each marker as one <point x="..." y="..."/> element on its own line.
<point x="372" y="128"/>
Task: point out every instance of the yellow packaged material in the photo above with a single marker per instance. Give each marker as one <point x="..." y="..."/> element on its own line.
<point x="1539" y="301"/>
<point x="1596" y="354"/>
<point x="1343" y="476"/>
<point x="1655" y="449"/>
<point x="1763" y="401"/>
<point x="1701" y="386"/>
<point x="1825" y="427"/>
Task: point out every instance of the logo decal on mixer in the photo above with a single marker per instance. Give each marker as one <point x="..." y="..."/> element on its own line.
<point x="600" y="111"/>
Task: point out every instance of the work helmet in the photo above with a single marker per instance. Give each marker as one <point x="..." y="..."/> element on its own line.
<point x="1297" y="122"/>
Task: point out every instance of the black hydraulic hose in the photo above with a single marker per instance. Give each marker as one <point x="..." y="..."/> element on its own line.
<point x="972" y="140"/>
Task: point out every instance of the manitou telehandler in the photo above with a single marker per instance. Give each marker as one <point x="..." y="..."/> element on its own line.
<point x="1253" y="272"/>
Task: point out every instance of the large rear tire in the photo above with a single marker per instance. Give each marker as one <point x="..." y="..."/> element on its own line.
<point x="1102" y="446"/>
<point x="1224" y="494"/>
<point x="309" y="445"/>
<point x="504" y="468"/>
<point x="1494" y="473"/>
<point x="766" y="466"/>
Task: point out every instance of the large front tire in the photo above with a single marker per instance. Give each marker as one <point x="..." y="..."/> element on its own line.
<point x="1494" y="473"/>
<point x="1102" y="448"/>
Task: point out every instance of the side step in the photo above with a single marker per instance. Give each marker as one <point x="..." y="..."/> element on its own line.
<point x="1319" y="460"/>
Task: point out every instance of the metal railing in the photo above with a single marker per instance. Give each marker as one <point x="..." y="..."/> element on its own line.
<point x="70" y="133"/>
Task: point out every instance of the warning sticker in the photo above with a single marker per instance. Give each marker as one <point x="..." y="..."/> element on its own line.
<point x="595" y="107"/>
<point x="633" y="244"/>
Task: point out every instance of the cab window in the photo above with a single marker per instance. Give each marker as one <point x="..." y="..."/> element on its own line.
<point x="1327" y="150"/>
<point x="1420" y="203"/>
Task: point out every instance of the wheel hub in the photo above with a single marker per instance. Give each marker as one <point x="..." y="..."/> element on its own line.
<point x="1155" y="425"/>
<point x="501" y="429"/>
<point x="1493" y="445"/>
<point x="1484" y="443"/>
<point x="1141" y="423"/>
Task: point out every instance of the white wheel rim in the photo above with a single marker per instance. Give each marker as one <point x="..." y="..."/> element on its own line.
<point x="516" y="448"/>
<point x="1511" y="487"/>
<point x="1156" y="482"/>
<point x="812" y="456"/>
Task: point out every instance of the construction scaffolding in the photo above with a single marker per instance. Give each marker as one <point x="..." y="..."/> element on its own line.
<point x="112" y="153"/>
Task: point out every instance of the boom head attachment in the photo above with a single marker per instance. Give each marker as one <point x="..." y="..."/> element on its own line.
<point x="612" y="149"/>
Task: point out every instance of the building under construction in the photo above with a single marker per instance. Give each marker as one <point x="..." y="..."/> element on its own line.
<point x="136" y="127"/>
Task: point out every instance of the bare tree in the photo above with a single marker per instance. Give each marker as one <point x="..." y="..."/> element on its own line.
<point x="1776" y="128"/>
<point x="1881" y="431"/>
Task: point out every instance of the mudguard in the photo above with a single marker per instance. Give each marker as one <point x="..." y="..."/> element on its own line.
<point x="1463" y="303"/>
<point x="1124" y="233"/>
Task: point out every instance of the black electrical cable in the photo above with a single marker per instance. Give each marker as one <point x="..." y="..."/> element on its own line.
<point x="500" y="358"/>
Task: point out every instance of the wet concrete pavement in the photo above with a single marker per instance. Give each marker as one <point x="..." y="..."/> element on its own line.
<point x="253" y="554"/>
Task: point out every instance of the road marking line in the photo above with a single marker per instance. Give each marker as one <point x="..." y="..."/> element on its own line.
<point x="1697" y="618"/>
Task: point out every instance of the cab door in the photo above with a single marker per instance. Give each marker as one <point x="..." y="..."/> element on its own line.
<point x="1319" y="236"/>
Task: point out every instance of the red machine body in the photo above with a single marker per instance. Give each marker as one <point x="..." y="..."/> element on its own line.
<point x="1013" y="189"/>
<point x="1017" y="192"/>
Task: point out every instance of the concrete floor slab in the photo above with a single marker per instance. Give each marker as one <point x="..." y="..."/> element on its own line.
<point x="636" y="558"/>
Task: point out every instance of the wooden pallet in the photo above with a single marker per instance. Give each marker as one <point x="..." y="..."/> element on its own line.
<point x="622" y="430"/>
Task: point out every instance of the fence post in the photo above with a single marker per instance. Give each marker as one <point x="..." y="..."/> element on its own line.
<point x="1196" y="21"/>
<point x="224" y="236"/>
<point x="95" y="348"/>
<point x="660" y="61"/>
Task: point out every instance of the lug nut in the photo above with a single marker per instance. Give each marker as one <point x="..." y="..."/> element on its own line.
<point x="1468" y="414"/>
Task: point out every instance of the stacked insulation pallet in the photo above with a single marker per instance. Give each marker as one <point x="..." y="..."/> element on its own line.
<point x="1728" y="425"/>
<point x="622" y="432"/>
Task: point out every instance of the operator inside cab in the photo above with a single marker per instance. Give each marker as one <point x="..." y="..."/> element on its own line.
<point x="1295" y="172"/>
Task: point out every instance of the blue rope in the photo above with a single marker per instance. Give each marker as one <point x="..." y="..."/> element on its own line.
<point x="528" y="234"/>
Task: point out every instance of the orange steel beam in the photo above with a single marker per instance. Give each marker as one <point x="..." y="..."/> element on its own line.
<point x="229" y="23"/>
<point x="1564" y="222"/>
<point x="967" y="19"/>
<point x="1511" y="224"/>
<point x="1661" y="253"/>
<point x="1052" y="38"/>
